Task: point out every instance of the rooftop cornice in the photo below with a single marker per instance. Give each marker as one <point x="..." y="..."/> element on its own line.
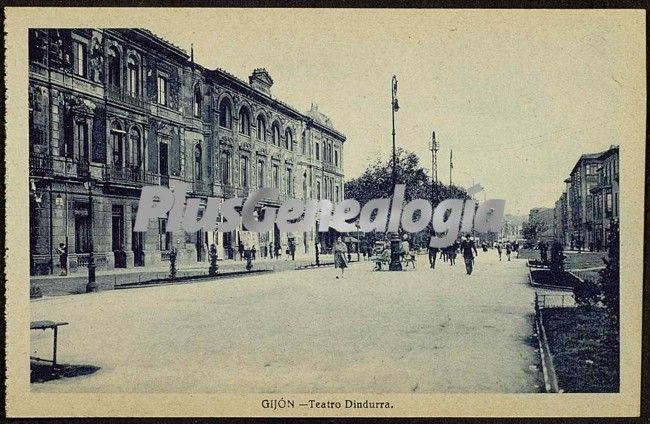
<point x="152" y="38"/>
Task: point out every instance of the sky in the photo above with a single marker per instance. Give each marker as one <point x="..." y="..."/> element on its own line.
<point x="517" y="95"/>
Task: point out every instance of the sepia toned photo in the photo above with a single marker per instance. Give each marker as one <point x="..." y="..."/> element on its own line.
<point x="258" y="212"/>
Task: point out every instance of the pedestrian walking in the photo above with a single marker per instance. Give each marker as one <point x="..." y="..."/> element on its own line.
<point x="452" y="252"/>
<point x="405" y="247"/>
<point x="240" y="248"/>
<point x="433" y="252"/>
<point x="508" y="250"/>
<point x="340" y="253"/>
<point x="292" y="250"/>
<point x="515" y="247"/>
<point x="468" y="249"/>
<point x="499" y="250"/>
<point x="62" y="251"/>
<point x="380" y="254"/>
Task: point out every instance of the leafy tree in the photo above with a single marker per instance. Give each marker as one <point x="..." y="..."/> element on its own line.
<point x="532" y="229"/>
<point x="586" y="292"/>
<point x="376" y="182"/>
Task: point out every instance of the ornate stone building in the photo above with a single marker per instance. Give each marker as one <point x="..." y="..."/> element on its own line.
<point x="112" y="110"/>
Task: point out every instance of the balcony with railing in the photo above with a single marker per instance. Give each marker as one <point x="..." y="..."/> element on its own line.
<point x="120" y="95"/>
<point x="330" y="167"/>
<point x="151" y="178"/>
<point x="243" y="192"/>
<point x="124" y="175"/>
<point x="40" y="165"/>
<point x="83" y="169"/>
<point x="46" y="165"/>
<point x="202" y="187"/>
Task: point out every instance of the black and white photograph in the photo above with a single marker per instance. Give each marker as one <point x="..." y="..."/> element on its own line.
<point x="325" y="212"/>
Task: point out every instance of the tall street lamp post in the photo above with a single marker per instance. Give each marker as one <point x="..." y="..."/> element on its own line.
<point x="356" y="224"/>
<point x="316" y="240"/>
<point x="91" y="286"/>
<point x="61" y="203"/>
<point x="395" y="264"/>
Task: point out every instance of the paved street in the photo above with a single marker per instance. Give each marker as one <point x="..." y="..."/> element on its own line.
<point x="305" y="331"/>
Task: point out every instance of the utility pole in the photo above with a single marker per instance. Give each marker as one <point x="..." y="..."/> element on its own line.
<point x="394" y="108"/>
<point x="434" y="146"/>
<point x="451" y="164"/>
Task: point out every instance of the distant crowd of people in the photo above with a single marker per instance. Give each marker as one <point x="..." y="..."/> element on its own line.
<point x="380" y="255"/>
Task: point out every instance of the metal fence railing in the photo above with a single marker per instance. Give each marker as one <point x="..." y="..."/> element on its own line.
<point x="554" y="301"/>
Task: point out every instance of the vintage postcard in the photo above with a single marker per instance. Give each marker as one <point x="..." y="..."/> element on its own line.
<point x="324" y="212"/>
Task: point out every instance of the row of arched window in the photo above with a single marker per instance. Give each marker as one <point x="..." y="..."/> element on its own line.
<point x="330" y="154"/>
<point x="225" y="121"/>
<point x="115" y="71"/>
<point x="126" y="148"/>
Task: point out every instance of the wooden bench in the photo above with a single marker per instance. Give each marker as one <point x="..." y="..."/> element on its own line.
<point x="45" y="325"/>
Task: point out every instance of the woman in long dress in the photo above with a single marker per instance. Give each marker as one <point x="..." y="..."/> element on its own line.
<point x="340" y="252"/>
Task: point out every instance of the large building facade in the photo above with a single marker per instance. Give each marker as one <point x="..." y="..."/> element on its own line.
<point x="605" y="197"/>
<point x="584" y="177"/>
<point x="585" y="211"/>
<point x="112" y="110"/>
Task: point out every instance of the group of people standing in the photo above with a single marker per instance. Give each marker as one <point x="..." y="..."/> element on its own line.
<point x="509" y="247"/>
<point x="467" y="248"/>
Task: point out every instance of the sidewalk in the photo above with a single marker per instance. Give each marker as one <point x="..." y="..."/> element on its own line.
<point x="55" y="285"/>
<point x="200" y="266"/>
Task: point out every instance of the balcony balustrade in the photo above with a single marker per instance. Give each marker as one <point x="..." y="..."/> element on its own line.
<point x="83" y="169"/>
<point x="123" y="174"/>
<point x="228" y="191"/>
<point x="40" y="165"/>
<point x="202" y="187"/>
<point x="120" y="95"/>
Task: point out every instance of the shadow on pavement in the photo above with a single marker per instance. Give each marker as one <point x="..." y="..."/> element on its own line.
<point x="42" y="372"/>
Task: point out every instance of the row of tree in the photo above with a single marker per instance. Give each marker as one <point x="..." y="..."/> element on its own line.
<point x="606" y="289"/>
<point x="533" y="229"/>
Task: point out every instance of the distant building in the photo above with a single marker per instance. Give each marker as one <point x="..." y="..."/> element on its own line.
<point x="511" y="229"/>
<point x="605" y="197"/>
<point x="584" y="177"/>
<point x="568" y="229"/>
<point x="585" y="211"/>
<point x="118" y="109"/>
<point x="560" y="220"/>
